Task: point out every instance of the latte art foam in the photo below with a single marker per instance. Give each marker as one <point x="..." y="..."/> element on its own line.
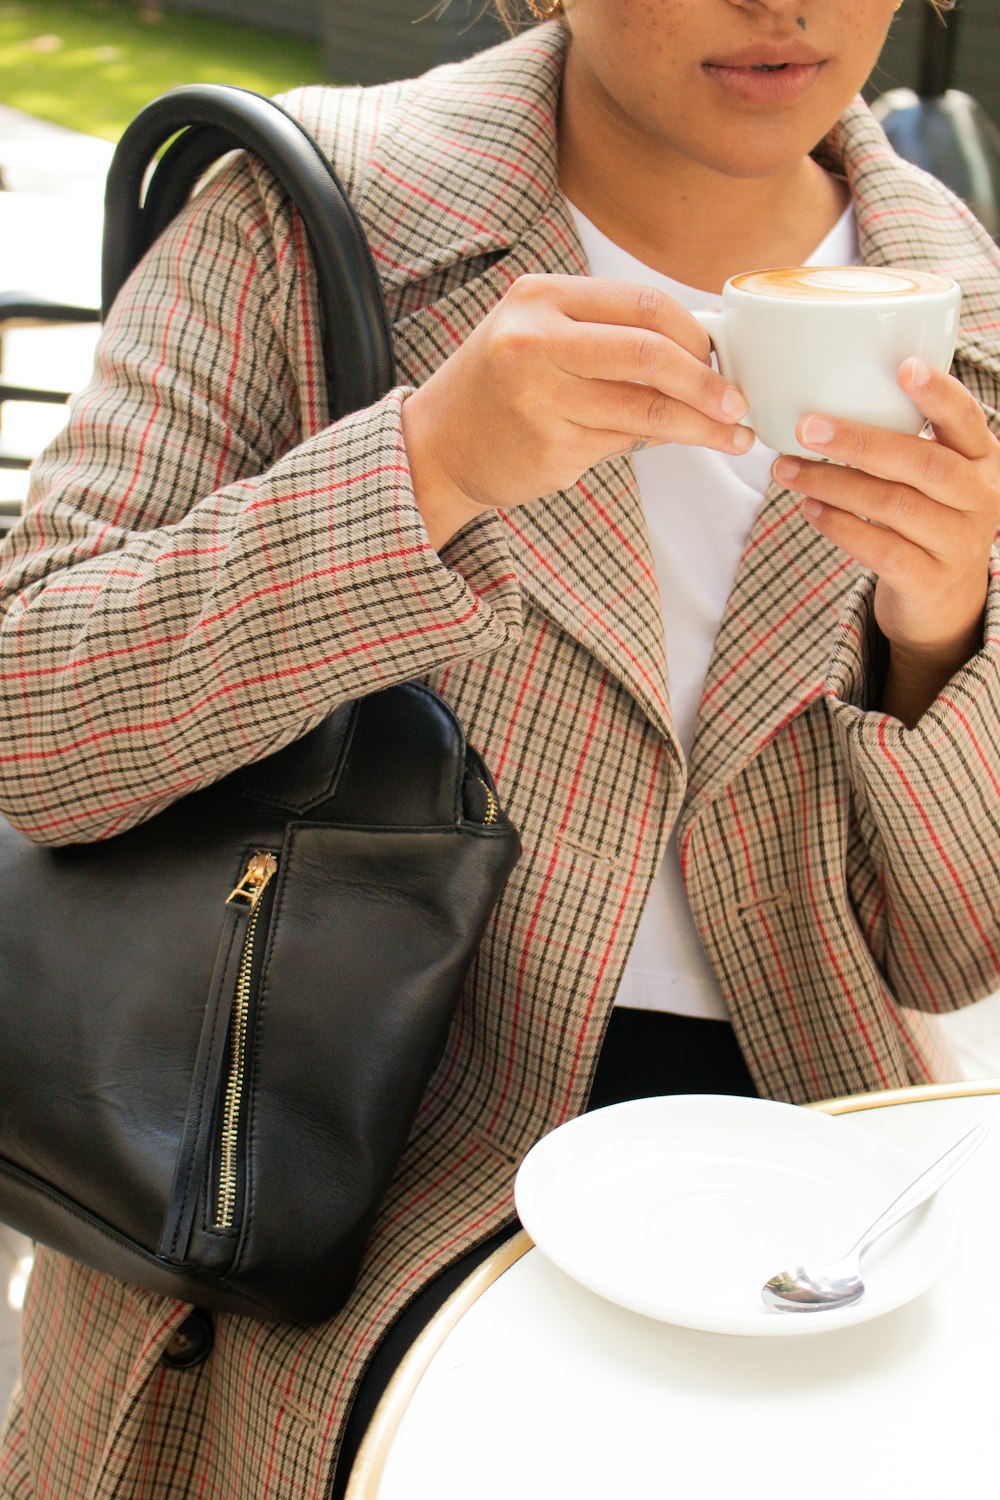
<point x="839" y="283"/>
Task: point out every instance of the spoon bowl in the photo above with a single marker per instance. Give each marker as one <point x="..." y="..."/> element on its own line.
<point x="837" y="1283"/>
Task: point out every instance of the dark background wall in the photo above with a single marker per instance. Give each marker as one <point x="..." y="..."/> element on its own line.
<point x="977" y="48"/>
<point x="366" y="41"/>
<point x="294" y="17"/>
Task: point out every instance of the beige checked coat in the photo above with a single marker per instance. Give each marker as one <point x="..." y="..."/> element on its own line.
<point x="209" y="567"/>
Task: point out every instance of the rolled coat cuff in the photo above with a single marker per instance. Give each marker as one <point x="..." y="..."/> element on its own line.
<point x="412" y="609"/>
<point x="970" y="700"/>
<point x="928" y="804"/>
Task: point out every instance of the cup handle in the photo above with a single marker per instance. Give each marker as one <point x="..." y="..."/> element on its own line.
<point x="714" y="323"/>
<point x="713" y="320"/>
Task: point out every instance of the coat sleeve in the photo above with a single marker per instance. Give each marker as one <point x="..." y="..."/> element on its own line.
<point x="206" y="568"/>
<point x="924" y="872"/>
<point x="927" y="889"/>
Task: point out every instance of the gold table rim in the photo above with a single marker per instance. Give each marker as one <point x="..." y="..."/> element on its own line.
<point x="366" y="1474"/>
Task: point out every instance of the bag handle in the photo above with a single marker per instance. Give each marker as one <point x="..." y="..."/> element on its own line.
<point x="214" y="119"/>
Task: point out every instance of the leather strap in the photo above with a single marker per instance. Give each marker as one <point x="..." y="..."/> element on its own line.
<point x="214" y="119"/>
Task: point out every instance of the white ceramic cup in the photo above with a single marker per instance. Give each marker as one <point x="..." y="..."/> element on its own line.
<point x="830" y="340"/>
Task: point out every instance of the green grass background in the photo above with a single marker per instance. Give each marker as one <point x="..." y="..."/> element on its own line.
<point x="91" y="64"/>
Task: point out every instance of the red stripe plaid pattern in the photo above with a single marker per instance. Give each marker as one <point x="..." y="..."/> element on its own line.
<point x="207" y="568"/>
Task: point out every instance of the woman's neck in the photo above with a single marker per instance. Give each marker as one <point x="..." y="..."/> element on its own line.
<point x="703" y="245"/>
<point x="689" y="221"/>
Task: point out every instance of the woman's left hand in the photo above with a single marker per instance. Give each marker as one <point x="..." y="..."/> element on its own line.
<point x="922" y="515"/>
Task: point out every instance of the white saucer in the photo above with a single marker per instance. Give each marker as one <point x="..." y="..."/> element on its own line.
<point x="681" y="1207"/>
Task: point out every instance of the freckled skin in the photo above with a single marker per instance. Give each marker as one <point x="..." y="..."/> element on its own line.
<point x="641" y="63"/>
<point x="646" y="131"/>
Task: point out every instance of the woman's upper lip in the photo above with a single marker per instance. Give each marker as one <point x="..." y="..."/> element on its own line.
<point x="768" y="54"/>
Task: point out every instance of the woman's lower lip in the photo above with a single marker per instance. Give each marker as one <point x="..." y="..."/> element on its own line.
<point x="764" y="85"/>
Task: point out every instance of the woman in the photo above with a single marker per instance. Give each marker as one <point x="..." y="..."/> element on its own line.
<point x="794" y="872"/>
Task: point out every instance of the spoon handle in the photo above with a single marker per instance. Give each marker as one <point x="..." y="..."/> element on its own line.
<point x="922" y="1187"/>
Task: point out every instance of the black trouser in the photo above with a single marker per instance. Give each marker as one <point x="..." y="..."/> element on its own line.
<point x="645" y="1053"/>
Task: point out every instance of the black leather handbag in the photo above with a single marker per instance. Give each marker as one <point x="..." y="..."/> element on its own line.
<point x="217" y="1027"/>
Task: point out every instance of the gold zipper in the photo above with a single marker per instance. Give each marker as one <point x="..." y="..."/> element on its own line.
<point x="256" y="877"/>
<point x="492" y="805"/>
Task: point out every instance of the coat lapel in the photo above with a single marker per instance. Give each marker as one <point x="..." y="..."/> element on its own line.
<point x="786" y="612"/>
<point x="774" y="644"/>
<point x="452" y="228"/>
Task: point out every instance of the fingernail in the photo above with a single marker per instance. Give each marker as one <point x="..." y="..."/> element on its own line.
<point x="812" y="508"/>
<point x="920" y="371"/>
<point x="743" y="438"/>
<point x="734" y="403"/>
<point x="786" y="469"/>
<point x="815" y="431"/>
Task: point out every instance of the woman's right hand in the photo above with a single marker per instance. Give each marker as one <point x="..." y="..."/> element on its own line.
<point x="563" y="372"/>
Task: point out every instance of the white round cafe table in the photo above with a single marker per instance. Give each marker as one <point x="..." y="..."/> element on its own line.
<point x="528" y="1385"/>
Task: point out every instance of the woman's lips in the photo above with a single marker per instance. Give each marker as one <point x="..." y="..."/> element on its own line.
<point x="764" y="84"/>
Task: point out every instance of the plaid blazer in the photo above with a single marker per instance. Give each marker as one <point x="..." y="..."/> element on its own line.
<point x="208" y="567"/>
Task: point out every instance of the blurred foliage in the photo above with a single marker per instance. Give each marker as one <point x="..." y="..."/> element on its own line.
<point x="91" y="64"/>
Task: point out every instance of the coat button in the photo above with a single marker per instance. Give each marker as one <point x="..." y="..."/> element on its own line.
<point x="191" y="1343"/>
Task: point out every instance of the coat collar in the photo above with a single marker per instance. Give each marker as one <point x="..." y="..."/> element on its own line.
<point x="467" y="173"/>
<point x="466" y="165"/>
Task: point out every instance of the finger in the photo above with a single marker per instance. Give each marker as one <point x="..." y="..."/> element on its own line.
<point x="638" y="413"/>
<point x="609" y="352"/>
<point x="929" y="467"/>
<point x="599" y="299"/>
<point x="938" y="529"/>
<point x="891" y="557"/>
<point x="957" y="418"/>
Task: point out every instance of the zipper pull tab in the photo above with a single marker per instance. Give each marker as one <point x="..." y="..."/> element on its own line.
<point x="256" y="876"/>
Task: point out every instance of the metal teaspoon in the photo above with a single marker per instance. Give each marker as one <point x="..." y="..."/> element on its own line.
<point x="838" y="1282"/>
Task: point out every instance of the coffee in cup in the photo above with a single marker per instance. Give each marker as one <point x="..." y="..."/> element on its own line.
<point x="830" y="340"/>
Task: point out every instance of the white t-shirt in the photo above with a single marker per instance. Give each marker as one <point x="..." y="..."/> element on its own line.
<point x="699" y="507"/>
